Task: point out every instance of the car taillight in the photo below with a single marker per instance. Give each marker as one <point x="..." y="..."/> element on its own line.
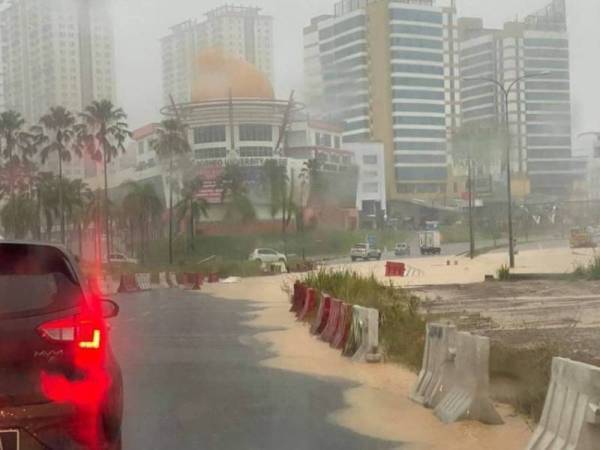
<point x="85" y="333"/>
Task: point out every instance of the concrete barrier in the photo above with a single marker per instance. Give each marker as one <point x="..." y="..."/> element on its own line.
<point x="571" y="416"/>
<point x="143" y="281"/>
<point x="466" y="383"/>
<point x="128" y="283"/>
<point x="162" y="280"/>
<point x="322" y="315"/>
<point x="368" y="343"/>
<point x="309" y="304"/>
<point x="394" y="269"/>
<point x="440" y="348"/>
<point x="341" y="333"/>
<point x="332" y="320"/>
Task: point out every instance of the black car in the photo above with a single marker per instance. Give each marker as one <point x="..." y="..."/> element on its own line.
<point x="60" y="385"/>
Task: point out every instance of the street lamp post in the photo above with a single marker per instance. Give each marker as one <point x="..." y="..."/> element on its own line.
<point x="506" y="92"/>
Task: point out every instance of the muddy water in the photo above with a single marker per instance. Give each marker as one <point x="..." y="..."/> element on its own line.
<point x="379" y="406"/>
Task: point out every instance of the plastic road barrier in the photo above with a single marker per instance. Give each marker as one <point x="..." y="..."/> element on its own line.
<point x="367" y="345"/>
<point x="332" y="320"/>
<point x="571" y="416"/>
<point x="440" y="348"/>
<point x="394" y="269"/>
<point x="213" y="277"/>
<point x="466" y="384"/>
<point x="128" y="283"/>
<point x="162" y="280"/>
<point x="341" y="333"/>
<point x="143" y="281"/>
<point x="310" y="303"/>
<point x="172" y="280"/>
<point x="196" y="280"/>
<point x="322" y="315"/>
<point x="298" y="297"/>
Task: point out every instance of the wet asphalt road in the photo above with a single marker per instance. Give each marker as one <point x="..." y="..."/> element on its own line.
<point x="193" y="381"/>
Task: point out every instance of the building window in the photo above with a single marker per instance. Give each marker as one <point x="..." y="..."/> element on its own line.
<point x="369" y="159"/>
<point x="256" y="152"/>
<point x="214" y="133"/>
<point x="337" y="142"/>
<point x="255" y="132"/>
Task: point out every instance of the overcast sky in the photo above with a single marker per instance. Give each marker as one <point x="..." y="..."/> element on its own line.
<point x="140" y="23"/>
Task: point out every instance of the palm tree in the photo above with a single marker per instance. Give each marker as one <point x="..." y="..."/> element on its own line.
<point x="47" y="200"/>
<point x="13" y="138"/>
<point x="144" y="207"/>
<point x="78" y="196"/>
<point x="171" y="141"/>
<point x="191" y="205"/>
<point x="102" y="135"/>
<point x="56" y="133"/>
<point x="19" y="215"/>
<point x="233" y="188"/>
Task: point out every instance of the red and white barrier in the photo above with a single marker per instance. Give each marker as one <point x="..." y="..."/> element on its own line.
<point x="143" y="281"/>
<point x="333" y="319"/>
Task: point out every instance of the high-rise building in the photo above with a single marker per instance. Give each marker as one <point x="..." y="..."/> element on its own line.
<point x="539" y="106"/>
<point x="56" y="52"/>
<point x="388" y="70"/>
<point x="241" y="32"/>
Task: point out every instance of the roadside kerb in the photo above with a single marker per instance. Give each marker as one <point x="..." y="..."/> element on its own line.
<point x="571" y="416"/>
<point x="466" y="383"/>
<point x="332" y="320"/>
<point x="440" y="348"/>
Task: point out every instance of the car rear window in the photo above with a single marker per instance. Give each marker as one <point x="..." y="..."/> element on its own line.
<point x="35" y="280"/>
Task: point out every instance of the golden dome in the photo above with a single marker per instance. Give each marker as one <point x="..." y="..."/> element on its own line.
<point x="217" y="74"/>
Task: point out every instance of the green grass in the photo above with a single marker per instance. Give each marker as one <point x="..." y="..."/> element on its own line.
<point x="528" y="370"/>
<point x="589" y="271"/>
<point x="503" y="273"/>
<point x="402" y="329"/>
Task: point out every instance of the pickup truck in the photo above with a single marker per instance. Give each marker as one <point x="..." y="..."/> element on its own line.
<point x="364" y="252"/>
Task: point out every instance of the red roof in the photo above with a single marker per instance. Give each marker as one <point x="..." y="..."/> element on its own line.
<point x="144" y="131"/>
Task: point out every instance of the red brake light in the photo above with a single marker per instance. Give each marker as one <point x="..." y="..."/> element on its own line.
<point x="84" y="333"/>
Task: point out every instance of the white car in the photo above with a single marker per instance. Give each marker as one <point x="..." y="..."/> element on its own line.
<point x="120" y="258"/>
<point x="267" y="255"/>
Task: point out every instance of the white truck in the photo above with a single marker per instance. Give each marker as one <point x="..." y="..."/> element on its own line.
<point x="429" y="242"/>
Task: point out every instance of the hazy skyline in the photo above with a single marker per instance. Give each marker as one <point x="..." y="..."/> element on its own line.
<point x="139" y="25"/>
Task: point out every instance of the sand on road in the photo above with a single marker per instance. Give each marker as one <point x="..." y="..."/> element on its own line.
<point x="379" y="406"/>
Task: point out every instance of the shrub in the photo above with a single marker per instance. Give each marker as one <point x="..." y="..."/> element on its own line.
<point x="503" y="273"/>
<point x="591" y="271"/>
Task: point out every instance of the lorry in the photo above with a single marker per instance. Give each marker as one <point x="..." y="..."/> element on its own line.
<point x="429" y="242"/>
<point x="581" y="238"/>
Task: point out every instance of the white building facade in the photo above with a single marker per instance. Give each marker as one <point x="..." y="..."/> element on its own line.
<point x="241" y="32"/>
<point x="370" y="196"/>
